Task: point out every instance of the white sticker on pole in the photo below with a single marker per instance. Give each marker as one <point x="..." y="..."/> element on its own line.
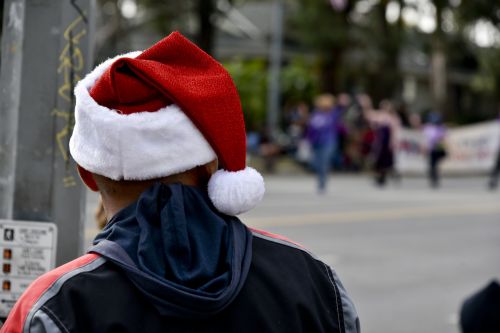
<point x="27" y="250"/>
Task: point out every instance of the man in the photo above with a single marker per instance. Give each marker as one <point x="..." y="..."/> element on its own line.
<point x="495" y="172"/>
<point x="151" y="129"/>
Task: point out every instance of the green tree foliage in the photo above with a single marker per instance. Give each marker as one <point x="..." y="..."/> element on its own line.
<point x="354" y="49"/>
<point x="250" y="78"/>
<point x="377" y="45"/>
<point x="351" y="46"/>
<point x="361" y="48"/>
<point x="487" y="80"/>
<point x="317" y="25"/>
<point x="300" y="80"/>
<point x="299" y="83"/>
<point x="471" y="11"/>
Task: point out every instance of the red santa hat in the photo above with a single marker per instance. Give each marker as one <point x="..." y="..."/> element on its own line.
<point x="145" y="115"/>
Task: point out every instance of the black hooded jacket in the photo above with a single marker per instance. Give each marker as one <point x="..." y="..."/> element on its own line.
<point x="170" y="262"/>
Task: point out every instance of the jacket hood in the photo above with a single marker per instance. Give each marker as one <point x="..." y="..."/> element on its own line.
<point x="188" y="259"/>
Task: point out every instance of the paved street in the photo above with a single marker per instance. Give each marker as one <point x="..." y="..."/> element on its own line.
<point x="407" y="254"/>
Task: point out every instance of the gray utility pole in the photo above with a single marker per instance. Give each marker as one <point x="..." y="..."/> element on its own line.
<point x="46" y="49"/>
<point x="275" y="57"/>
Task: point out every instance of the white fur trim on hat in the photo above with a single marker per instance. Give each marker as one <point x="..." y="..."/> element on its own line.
<point x="138" y="146"/>
<point x="233" y="193"/>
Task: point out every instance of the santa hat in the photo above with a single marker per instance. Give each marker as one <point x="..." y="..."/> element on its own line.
<point x="151" y="114"/>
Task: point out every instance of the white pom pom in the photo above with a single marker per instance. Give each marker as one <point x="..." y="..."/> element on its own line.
<point x="233" y="193"/>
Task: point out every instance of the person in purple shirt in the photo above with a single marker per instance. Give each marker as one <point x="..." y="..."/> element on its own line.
<point x="322" y="135"/>
<point x="495" y="173"/>
<point x="434" y="136"/>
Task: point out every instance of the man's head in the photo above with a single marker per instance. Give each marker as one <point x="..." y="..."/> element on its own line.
<point x="109" y="188"/>
<point x="159" y="114"/>
<point x="117" y="194"/>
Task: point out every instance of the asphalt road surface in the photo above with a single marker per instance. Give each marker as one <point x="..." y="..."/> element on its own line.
<point x="407" y="254"/>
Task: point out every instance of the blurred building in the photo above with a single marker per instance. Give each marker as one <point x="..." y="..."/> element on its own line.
<point x="243" y="31"/>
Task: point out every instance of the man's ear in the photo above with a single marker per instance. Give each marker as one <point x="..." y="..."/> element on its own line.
<point x="212" y="167"/>
<point x="87" y="178"/>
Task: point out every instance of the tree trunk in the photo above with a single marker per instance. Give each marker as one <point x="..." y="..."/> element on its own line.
<point x="330" y="66"/>
<point x="438" y="66"/>
<point x="205" y="34"/>
<point x="389" y="79"/>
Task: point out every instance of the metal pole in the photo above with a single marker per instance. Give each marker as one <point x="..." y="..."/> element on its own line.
<point x="276" y="50"/>
<point x="55" y="52"/>
<point x="10" y="83"/>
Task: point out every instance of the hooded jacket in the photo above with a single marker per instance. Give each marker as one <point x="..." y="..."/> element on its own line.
<point x="170" y="262"/>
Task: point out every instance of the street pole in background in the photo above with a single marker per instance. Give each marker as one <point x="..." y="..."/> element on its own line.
<point x="275" y="56"/>
<point x="46" y="49"/>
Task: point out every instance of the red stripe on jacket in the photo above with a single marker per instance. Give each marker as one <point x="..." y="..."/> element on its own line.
<point x="17" y="316"/>
<point x="276" y="236"/>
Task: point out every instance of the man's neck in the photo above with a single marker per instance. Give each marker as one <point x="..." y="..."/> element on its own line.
<point x="117" y="195"/>
<point x="115" y="200"/>
<point x="113" y="205"/>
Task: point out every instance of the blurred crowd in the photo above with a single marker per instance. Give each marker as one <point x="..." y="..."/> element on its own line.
<point x="348" y="133"/>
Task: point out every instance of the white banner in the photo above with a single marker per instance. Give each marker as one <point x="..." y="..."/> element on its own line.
<point x="471" y="149"/>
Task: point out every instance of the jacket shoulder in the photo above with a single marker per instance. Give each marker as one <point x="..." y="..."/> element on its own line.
<point x="303" y="273"/>
<point x="22" y="315"/>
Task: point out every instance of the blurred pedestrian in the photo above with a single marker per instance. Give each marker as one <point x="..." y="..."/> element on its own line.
<point x="358" y="113"/>
<point x="383" y="153"/>
<point x="403" y="114"/>
<point x="343" y="102"/>
<point x="385" y="124"/>
<point x="322" y="135"/>
<point x="174" y="257"/>
<point x="353" y="130"/>
<point x="296" y="119"/>
<point x="269" y="149"/>
<point x="495" y="172"/>
<point x="415" y="121"/>
<point x="434" y="136"/>
<point x="480" y="313"/>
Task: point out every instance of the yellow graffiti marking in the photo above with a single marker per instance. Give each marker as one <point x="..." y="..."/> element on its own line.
<point x="71" y="66"/>
<point x="69" y="181"/>
<point x="71" y="63"/>
<point x="61" y="114"/>
<point x="72" y="26"/>
<point x="61" y="135"/>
